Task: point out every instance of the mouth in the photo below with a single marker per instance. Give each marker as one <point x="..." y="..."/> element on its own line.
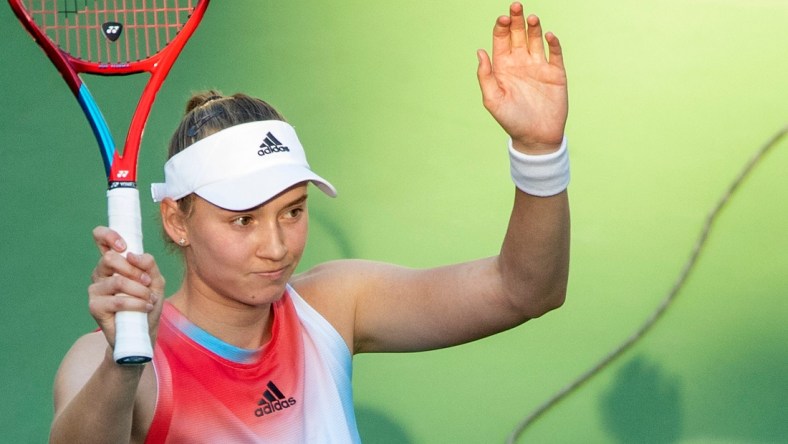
<point x="273" y="274"/>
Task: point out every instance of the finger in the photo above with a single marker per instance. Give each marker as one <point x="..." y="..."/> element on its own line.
<point x="103" y="310"/>
<point x="517" y="27"/>
<point x="501" y="44"/>
<point x="113" y="263"/>
<point x="556" y="53"/>
<point x="153" y="318"/>
<point x="107" y="239"/>
<point x="121" y="285"/>
<point x="105" y="307"/>
<point x="109" y="263"/>
<point x="535" y="44"/>
<point x="487" y="81"/>
<point x="151" y="276"/>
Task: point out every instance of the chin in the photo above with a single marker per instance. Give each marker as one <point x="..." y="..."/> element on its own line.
<point x="267" y="297"/>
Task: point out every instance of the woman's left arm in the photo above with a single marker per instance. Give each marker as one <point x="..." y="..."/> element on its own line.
<point x="525" y="90"/>
<point x="381" y="307"/>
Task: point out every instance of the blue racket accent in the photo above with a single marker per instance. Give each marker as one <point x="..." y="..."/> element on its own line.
<point x="99" y="126"/>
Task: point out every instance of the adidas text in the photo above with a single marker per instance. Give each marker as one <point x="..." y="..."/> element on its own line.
<point x="273" y="407"/>
<point x="272" y="149"/>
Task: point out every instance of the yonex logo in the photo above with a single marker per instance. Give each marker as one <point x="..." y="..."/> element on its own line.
<point x="273" y="401"/>
<point x="271" y="145"/>
<point x="112" y="30"/>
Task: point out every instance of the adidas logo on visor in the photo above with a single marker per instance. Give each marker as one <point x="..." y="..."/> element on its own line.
<point x="271" y="145"/>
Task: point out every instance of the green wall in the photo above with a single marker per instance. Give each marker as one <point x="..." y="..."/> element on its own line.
<point x="668" y="100"/>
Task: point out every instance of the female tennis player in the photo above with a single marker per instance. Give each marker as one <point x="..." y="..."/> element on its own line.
<point x="247" y="351"/>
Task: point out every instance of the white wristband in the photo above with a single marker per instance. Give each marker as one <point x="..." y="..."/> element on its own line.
<point x="540" y="175"/>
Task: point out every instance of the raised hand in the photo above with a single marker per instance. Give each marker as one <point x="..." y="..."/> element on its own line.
<point x="524" y="87"/>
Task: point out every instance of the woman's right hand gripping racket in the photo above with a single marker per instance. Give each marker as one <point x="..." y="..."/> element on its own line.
<point x="115" y="38"/>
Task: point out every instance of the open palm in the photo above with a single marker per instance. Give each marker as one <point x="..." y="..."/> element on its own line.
<point x="523" y="87"/>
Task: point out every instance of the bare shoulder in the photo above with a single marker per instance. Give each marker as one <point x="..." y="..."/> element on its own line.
<point x="336" y="272"/>
<point x="341" y="279"/>
<point x="333" y="289"/>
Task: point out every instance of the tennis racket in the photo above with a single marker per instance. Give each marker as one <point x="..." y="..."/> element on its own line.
<point x="115" y="38"/>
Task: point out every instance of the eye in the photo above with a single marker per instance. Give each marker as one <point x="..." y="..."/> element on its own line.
<point x="295" y="212"/>
<point x="242" y="221"/>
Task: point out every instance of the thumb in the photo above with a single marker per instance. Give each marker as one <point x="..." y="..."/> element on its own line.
<point x="107" y="239"/>
<point x="487" y="82"/>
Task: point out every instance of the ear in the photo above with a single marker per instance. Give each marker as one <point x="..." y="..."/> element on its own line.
<point x="173" y="220"/>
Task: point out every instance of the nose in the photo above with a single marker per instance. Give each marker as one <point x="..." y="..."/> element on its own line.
<point x="271" y="243"/>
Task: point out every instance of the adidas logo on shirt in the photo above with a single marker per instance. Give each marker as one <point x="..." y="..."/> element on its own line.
<point x="273" y="400"/>
<point x="271" y="145"/>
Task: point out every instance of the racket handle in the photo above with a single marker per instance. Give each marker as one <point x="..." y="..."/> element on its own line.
<point x="132" y="340"/>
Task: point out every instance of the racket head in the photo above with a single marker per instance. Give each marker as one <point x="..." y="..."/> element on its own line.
<point x="110" y="39"/>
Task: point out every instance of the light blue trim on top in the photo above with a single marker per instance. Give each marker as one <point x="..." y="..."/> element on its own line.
<point x="99" y="126"/>
<point x="216" y="345"/>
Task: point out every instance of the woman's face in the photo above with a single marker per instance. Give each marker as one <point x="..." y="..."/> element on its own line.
<point x="246" y="256"/>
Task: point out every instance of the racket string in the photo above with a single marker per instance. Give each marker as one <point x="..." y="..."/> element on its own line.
<point x="111" y="31"/>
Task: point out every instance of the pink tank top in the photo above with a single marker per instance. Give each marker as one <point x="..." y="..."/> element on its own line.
<point x="295" y="389"/>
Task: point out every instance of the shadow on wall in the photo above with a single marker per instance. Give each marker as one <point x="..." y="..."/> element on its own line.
<point x="643" y="405"/>
<point x="375" y="427"/>
<point x="337" y="234"/>
<point x="743" y="400"/>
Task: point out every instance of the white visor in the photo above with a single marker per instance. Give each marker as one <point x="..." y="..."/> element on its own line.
<point x="239" y="167"/>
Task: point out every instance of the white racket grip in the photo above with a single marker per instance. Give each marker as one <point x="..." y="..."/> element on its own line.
<point x="132" y="340"/>
<point x="124" y="216"/>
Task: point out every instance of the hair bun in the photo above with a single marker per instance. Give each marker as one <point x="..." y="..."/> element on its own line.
<point x="200" y="99"/>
